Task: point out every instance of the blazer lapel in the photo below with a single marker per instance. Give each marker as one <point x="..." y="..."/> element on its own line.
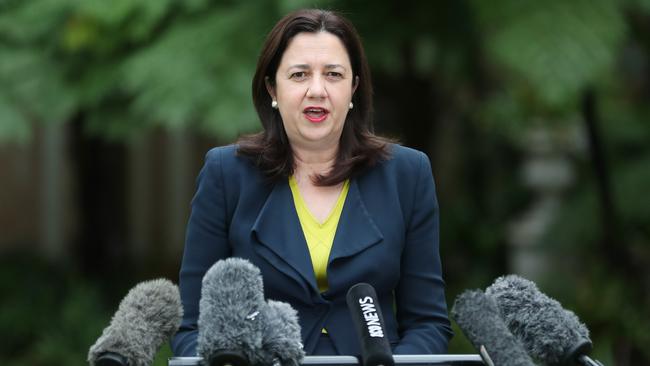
<point x="277" y="227"/>
<point x="356" y="230"/>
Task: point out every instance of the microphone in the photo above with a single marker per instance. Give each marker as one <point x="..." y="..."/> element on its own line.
<point x="282" y="342"/>
<point x="550" y="333"/>
<point x="369" y="322"/>
<point x="478" y="317"/>
<point x="148" y="315"/>
<point x="231" y="312"/>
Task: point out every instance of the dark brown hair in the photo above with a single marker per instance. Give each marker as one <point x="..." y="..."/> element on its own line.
<point x="359" y="147"/>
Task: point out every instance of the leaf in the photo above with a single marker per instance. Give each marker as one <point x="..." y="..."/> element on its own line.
<point x="13" y="126"/>
<point x="189" y="74"/>
<point x="638" y="5"/>
<point x="139" y="18"/>
<point x="28" y="21"/>
<point x="286" y="6"/>
<point x="36" y="85"/>
<point x="555" y="47"/>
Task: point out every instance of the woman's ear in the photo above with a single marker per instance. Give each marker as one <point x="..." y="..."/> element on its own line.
<point x="270" y="87"/>
<point x="355" y="84"/>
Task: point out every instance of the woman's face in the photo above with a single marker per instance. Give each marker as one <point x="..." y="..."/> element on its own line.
<point x="313" y="88"/>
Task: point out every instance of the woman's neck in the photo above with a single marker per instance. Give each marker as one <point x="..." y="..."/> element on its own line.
<point x="309" y="163"/>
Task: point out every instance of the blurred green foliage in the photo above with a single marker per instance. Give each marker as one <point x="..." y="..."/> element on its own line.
<point x="133" y="64"/>
<point x="494" y="68"/>
<point x="129" y="64"/>
<point x="50" y="314"/>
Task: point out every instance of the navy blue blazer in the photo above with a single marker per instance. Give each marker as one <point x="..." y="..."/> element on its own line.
<point x="387" y="236"/>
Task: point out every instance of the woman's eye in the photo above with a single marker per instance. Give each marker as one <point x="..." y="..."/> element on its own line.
<point x="300" y="75"/>
<point x="334" y="75"/>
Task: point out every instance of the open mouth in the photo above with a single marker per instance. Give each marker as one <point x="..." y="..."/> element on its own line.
<point x="315" y="114"/>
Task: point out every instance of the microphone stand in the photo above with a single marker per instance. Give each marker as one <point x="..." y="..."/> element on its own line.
<point x="111" y="359"/>
<point x="587" y="361"/>
<point x="406" y="360"/>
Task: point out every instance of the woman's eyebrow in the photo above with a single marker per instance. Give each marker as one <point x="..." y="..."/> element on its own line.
<point x="334" y="66"/>
<point x="299" y="66"/>
<point x="307" y="67"/>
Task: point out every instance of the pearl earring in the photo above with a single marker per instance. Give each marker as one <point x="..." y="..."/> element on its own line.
<point x="351" y="105"/>
<point x="274" y="104"/>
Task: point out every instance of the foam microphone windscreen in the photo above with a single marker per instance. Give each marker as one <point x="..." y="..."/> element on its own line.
<point x="147" y="316"/>
<point x="231" y="324"/>
<point x="368" y="320"/>
<point x="550" y="333"/>
<point x="282" y="341"/>
<point x="478" y="317"/>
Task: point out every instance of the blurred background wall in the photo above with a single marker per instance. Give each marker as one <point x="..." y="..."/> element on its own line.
<point x="536" y="117"/>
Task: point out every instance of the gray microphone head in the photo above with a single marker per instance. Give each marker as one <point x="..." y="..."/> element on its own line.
<point x="478" y="317"/>
<point x="282" y="341"/>
<point x="550" y="333"/>
<point x="231" y="315"/>
<point x="147" y="316"/>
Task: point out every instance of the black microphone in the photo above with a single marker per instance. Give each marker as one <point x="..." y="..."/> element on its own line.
<point x="550" y="333"/>
<point x="369" y="322"/>
<point x="478" y="317"/>
<point x="230" y="314"/>
<point x="147" y="316"/>
<point x="282" y="342"/>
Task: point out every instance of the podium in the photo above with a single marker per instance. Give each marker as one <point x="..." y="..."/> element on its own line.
<point x="402" y="360"/>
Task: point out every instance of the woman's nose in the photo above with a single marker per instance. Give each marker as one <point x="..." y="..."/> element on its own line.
<point x="317" y="88"/>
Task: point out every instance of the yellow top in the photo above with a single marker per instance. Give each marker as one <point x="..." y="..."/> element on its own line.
<point x="319" y="236"/>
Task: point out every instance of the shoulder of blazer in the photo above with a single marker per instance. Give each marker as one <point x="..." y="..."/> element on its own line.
<point x="406" y="157"/>
<point x="402" y="162"/>
<point x="226" y="155"/>
<point x="238" y="175"/>
<point x="401" y="174"/>
<point x="232" y="165"/>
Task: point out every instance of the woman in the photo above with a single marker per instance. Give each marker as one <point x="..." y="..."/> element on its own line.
<point x="318" y="202"/>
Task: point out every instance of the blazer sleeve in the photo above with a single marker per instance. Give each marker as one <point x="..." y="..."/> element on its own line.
<point x="206" y="242"/>
<point x="421" y="306"/>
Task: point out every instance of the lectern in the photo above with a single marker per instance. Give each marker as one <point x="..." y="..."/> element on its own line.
<point x="401" y="360"/>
